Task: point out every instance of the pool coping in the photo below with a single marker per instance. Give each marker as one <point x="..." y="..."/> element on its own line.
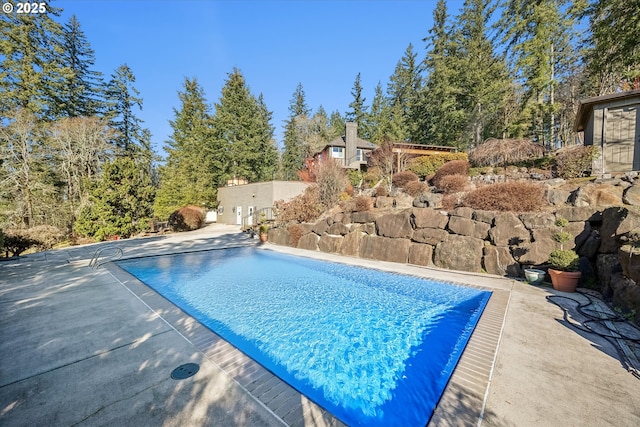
<point x="462" y="402"/>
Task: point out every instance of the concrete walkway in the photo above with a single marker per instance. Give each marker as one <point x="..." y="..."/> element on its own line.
<point x="78" y="348"/>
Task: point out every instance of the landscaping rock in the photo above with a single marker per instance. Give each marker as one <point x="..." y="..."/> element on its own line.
<point x="597" y="195"/>
<point x="396" y="225"/>
<point x="617" y="222"/>
<point x="459" y="253"/>
<point x="606" y="266"/>
<point x="485" y="216"/>
<point x="463" y="212"/>
<point x="590" y="246"/>
<point x="631" y="195"/>
<point x="575" y="214"/>
<point x="320" y="227"/>
<point x="468" y="227"/>
<point x="535" y="253"/>
<point x="385" y="249"/>
<point x="629" y="256"/>
<point x="369" y="228"/>
<point x="279" y="236"/>
<point x="625" y="293"/>
<point x="431" y="236"/>
<point x="498" y="260"/>
<point x="351" y="243"/>
<point x="429" y="218"/>
<point x="383" y="202"/>
<point x="557" y="197"/>
<point x="509" y="231"/>
<point x="328" y="243"/>
<point x="338" y="229"/>
<point x="309" y="241"/>
<point x="420" y="254"/>
<point x="538" y="220"/>
<point x="428" y="200"/>
<point x="363" y="217"/>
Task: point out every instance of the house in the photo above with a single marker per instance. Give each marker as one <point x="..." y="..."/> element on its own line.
<point x="349" y="151"/>
<point x="247" y="204"/>
<point x="612" y="123"/>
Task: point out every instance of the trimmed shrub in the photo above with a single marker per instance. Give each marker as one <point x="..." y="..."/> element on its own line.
<point x="454" y="167"/>
<point x="401" y="179"/>
<point x="575" y="162"/>
<point x="305" y="207"/>
<point x="415" y="188"/>
<point x="362" y="203"/>
<point x="450" y="184"/>
<point x="424" y="166"/>
<point x="504" y="151"/>
<point x="295" y="233"/>
<point x="507" y="197"/>
<point x="381" y="191"/>
<point x="186" y="219"/>
<point x="15" y="243"/>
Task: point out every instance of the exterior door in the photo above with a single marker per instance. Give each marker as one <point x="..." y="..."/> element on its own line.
<point x="239" y="215"/>
<point x="250" y="216"/>
<point x="620" y="154"/>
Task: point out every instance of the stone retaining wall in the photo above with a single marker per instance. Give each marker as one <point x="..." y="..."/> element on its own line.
<point x="501" y="243"/>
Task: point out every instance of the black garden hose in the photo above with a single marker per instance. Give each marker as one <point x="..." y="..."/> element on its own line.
<point x="611" y="337"/>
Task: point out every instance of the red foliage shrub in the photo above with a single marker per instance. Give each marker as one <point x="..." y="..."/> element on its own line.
<point x="454" y="167"/>
<point x="362" y="203"/>
<point x="415" y="188"/>
<point x="450" y="184"/>
<point x="401" y="179"/>
<point x="305" y="207"/>
<point x="450" y="202"/>
<point x="187" y="219"/>
<point x="507" y="197"/>
<point x="295" y="233"/>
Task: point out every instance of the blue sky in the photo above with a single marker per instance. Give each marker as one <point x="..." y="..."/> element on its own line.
<point x="322" y="44"/>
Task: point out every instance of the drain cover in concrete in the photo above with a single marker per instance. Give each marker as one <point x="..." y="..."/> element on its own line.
<point x="185" y="371"/>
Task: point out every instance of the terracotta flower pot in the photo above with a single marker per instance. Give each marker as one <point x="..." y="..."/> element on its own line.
<point x="263" y="237"/>
<point x="565" y="281"/>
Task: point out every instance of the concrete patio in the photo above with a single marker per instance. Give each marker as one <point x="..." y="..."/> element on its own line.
<point x="77" y="347"/>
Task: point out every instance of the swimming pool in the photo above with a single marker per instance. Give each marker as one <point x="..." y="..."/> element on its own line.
<point x="373" y="348"/>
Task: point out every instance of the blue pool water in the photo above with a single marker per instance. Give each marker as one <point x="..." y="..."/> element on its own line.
<point x="373" y="348"/>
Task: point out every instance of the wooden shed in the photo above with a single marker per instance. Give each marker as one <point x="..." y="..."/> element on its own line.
<point x="612" y="123"/>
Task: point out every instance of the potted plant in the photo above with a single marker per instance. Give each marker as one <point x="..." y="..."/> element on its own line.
<point x="263" y="231"/>
<point x="564" y="262"/>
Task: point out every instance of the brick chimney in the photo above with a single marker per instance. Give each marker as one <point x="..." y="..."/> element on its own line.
<point x="351" y="135"/>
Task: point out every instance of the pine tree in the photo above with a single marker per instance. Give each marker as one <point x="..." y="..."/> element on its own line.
<point x="120" y="203"/>
<point x="121" y="99"/>
<point x="483" y="79"/>
<point x="403" y="91"/>
<point x="379" y="119"/>
<point x="32" y="74"/>
<point x="438" y="115"/>
<point x="82" y="94"/>
<point x="267" y="145"/>
<point x="189" y="176"/>
<point x="358" y="109"/>
<point x="294" y="153"/>
<point x="239" y="125"/>
<point x="336" y="126"/>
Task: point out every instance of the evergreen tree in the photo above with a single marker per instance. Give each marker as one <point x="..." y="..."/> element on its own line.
<point x="267" y="146"/>
<point x="82" y="94"/>
<point x="383" y="124"/>
<point x="32" y="74"/>
<point x="403" y="90"/>
<point x="121" y="99"/>
<point x="538" y="36"/>
<point x="336" y="126"/>
<point x="120" y="203"/>
<point x="239" y="125"/>
<point x="483" y="77"/>
<point x="190" y="176"/>
<point x="438" y="113"/>
<point x="358" y="112"/>
<point x="614" y="53"/>
<point x="293" y="156"/>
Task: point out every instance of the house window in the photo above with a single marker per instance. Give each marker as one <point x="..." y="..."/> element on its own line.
<point x="220" y="210"/>
<point x="337" y="152"/>
<point x="359" y="156"/>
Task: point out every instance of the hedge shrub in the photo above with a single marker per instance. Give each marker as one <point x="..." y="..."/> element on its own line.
<point x="415" y="188"/>
<point x="575" y="162"/>
<point x="187" y="219"/>
<point x="507" y="197"/>
<point x="450" y="184"/>
<point x="454" y="167"/>
<point x="424" y="166"/>
<point x="401" y="179"/>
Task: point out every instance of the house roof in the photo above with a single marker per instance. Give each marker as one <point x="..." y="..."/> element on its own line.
<point x="342" y="142"/>
<point x="586" y="106"/>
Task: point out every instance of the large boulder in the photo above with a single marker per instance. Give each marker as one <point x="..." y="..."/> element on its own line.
<point x="625" y="293"/>
<point x="509" y="231"/>
<point x="320" y="227"/>
<point x="459" y="253"/>
<point x="631" y="195"/>
<point x="329" y="243"/>
<point x="485" y="216"/>
<point x="582" y="213"/>
<point x="309" y="241"/>
<point x="557" y="197"/>
<point x="429" y="218"/>
<point x="606" y="266"/>
<point x="629" y="256"/>
<point x="617" y="223"/>
<point x="498" y="260"/>
<point x="590" y="246"/>
<point x="431" y="236"/>
<point x="463" y="212"/>
<point x="468" y="227"/>
<point x="421" y="254"/>
<point x="395" y="225"/>
<point x="385" y="248"/>
<point x="363" y="217"/>
<point x="279" y="236"/>
<point x="428" y="200"/>
<point x="597" y="195"/>
<point x="537" y="220"/>
<point x="351" y="243"/>
<point x="338" y="229"/>
<point x="534" y="253"/>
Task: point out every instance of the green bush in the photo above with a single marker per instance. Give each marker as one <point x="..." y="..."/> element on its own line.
<point x="575" y="162"/>
<point x="424" y="166"/>
<point x="564" y="260"/>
